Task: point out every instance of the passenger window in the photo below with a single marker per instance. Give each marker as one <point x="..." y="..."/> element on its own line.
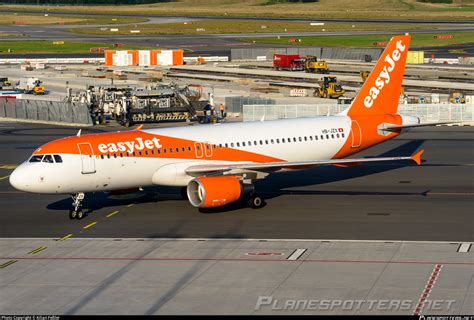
<point x="58" y="158"/>
<point x="299" y="138"/>
<point x="332" y="136"/>
<point x="337" y="135"/>
<point x="226" y="145"/>
<point x="294" y="139"/>
<point x="198" y="147"/>
<point x="36" y="158"/>
<point x="159" y="151"/>
<point x="305" y="138"/>
<point x="311" y="138"/>
<point x="177" y="149"/>
<point x="164" y="150"/>
<point x="255" y="142"/>
<point x="121" y="155"/>
<point x="283" y="140"/>
<point x="322" y="137"/>
<point x="48" y="159"/>
<point x="271" y="141"/>
<point x="171" y="150"/>
<point x="278" y="140"/>
<point x="238" y="144"/>
<point x="152" y="151"/>
<point x="108" y="156"/>
<point x="115" y="155"/>
<point x="342" y="134"/>
<point x="101" y="156"/>
<point x="220" y="145"/>
<point x="266" y="141"/>
<point x="243" y="144"/>
<point x="327" y="136"/>
<point x="189" y="148"/>
<point x="232" y="144"/>
<point x="250" y="143"/>
<point x="315" y="137"/>
<point x="146" y="153"/>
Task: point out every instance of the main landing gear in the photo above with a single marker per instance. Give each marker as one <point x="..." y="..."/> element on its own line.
<point x="255" y="201"/>
<point x="76" y="211"/>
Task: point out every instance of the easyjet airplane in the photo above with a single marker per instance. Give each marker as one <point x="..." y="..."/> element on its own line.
<point x="217" y="164"/>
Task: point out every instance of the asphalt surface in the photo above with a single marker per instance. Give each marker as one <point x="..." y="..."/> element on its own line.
<point x="385" y="202"/>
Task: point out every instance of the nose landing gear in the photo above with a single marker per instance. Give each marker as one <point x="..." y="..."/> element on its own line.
<point x="76" y="211"/>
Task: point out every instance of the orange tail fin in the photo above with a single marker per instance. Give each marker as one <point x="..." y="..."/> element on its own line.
<point x="381" y="91"/>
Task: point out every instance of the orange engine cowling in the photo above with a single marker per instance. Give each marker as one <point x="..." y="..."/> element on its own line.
<point x="212" y="192"/>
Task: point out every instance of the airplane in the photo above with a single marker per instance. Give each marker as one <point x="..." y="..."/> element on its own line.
<point x="217" y="164"/>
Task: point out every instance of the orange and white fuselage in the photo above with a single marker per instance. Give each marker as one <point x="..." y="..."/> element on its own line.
<point x="213" y="159"/>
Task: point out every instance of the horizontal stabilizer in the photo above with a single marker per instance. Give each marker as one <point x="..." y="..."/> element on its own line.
<point x="395" y="127"/>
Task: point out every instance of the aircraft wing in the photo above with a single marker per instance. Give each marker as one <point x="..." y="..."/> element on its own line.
<point x="205" y="169"/>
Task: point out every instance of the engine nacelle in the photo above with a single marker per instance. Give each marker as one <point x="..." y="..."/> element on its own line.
<point x="212" y="192"/>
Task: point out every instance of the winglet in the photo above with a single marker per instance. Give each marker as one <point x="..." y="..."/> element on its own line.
<point x="139" y="127"/>
<point x="417" y="157"/>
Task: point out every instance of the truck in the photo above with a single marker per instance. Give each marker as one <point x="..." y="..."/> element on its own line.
<point x="30" y="85"/>
<point x="292" y="62"/>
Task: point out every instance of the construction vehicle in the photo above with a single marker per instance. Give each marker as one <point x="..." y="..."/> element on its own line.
<point x="130" y="105"/>
<point x="457" y="97"/>
<point x="291" y="62"/>
<point x="364" y="75"/>
<point x="4" y="82"/>
<point x="311" y="64"/>
<point x="329" y="88"/>
<point x="30" y="85"/>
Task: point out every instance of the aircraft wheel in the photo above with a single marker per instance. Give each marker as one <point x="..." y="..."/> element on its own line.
<point x="256" y="202"/>
<point x="72" y="214"/>
<point x="80" y="214"/>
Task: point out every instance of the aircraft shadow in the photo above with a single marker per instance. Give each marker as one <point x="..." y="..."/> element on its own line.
<point x="271" y="187"/>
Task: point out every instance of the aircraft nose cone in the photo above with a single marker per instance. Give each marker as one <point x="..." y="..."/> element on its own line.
<point x="17" y="180"/>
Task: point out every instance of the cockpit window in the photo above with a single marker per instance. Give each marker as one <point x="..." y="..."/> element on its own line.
<point x="58" y="158"/>
<point x="48" y="158"/>
<point x="36" y="158"/>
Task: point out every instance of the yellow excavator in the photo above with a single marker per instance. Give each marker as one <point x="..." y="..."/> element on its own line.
<point x="311" y="64"/>
<point x="329" y="88"/>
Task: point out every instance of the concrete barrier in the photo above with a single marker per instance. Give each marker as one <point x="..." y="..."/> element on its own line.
<point x="50" y="112"/>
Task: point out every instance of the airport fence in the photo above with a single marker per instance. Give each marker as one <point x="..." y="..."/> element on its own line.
<point x="426" y="112"/>
<point x="234" y="105"/>
<point x="320" y="52"/>
<point x="48" y="111"/>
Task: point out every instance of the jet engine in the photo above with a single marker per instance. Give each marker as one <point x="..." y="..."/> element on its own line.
<point x="212" y="192"/>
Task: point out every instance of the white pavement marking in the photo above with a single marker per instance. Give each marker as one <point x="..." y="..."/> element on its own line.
<point x="464" y="247"/>
<point x="426" y="292"/>
<point x="296" y="254"/>
<point x="454" y="242"/>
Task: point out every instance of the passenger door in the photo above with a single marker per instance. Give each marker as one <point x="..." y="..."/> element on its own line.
<point x="87" y="158"/>
<point x="356" y="134"/>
